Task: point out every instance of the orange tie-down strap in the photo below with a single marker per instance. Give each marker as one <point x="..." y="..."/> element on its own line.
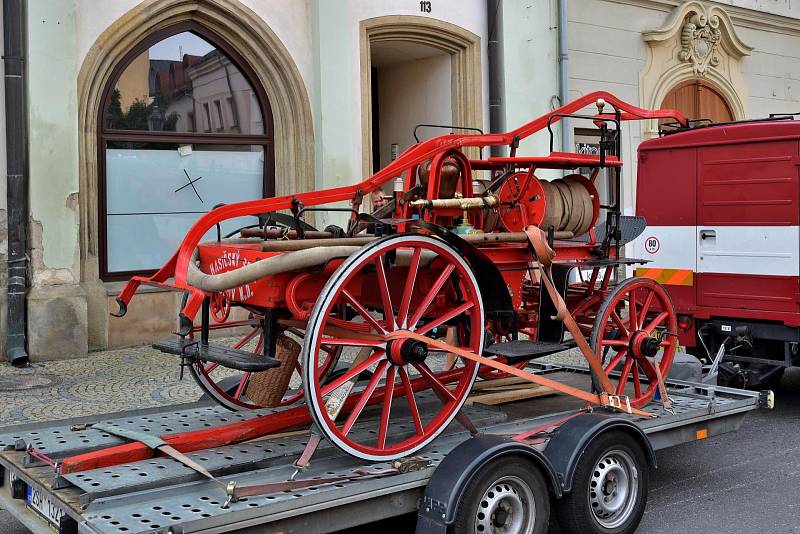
<point x="603" y="399"/>
<point x="544" y="255"/>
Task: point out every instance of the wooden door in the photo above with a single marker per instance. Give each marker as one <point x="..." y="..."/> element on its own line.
<point x="697" y="99"/>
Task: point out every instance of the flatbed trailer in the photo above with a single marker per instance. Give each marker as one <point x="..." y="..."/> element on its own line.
<point x="163" y="495"/>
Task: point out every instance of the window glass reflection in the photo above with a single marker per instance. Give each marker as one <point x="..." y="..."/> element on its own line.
<point x="184" y="84"/>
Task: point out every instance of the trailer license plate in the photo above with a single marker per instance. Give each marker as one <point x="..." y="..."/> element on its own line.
<point x="41" y="503"/>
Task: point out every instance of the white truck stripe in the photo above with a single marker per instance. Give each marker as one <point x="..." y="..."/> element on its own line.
<point x="756" y="250"/>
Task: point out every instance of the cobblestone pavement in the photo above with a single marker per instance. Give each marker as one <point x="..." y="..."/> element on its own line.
<point x="125" y="379"/>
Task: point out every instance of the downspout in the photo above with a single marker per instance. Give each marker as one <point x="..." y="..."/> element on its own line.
<point x="563" y="73"/>
<point x="17" y="180"/>
<point x="494" y="54"/>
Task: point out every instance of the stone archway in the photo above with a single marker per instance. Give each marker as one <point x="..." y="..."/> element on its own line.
<point x="463" y="46"/>
<point x="697" y="42"/>
<point x="255" y="42"/>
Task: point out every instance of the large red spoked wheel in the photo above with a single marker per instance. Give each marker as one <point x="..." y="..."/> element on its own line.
<point x="228" y="387"/>
<point x="404" y="283"/>
<point x="636" y="322"/>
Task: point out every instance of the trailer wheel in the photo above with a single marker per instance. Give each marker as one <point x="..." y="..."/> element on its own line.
<point x="609" y="489"/>
<point x="508" y="496"/>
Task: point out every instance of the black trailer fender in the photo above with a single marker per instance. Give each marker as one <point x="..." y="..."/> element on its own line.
<point x="570" y="439"/>
<point x="439" y="504"/>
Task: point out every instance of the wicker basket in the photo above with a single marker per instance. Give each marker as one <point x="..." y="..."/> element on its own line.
<point x="267" y="388"/>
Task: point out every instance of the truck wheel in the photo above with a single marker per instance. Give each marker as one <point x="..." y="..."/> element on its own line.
<point x="507" y="495"/>
<point x="609" y="490"/>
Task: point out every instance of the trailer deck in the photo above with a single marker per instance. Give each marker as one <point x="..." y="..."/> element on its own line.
<point x="161" y="494"/>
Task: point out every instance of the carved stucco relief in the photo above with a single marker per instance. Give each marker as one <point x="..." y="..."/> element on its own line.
<point x="697" y="41"/>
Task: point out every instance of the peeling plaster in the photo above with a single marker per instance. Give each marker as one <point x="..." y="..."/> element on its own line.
<point x="43" y="275"/>
<point x="72" y="201"/>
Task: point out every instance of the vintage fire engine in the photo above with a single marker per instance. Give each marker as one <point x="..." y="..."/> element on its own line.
<point x="726" y="247"/>
<point x="454" y="278"/>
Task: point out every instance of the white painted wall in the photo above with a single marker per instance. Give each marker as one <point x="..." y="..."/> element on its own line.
<point x="411" y="93"/>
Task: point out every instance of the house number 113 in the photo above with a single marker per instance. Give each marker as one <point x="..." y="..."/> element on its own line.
<point x="425" y="7"/>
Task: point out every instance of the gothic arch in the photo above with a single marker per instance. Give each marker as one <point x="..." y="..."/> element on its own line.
<point x="258" y="45"/>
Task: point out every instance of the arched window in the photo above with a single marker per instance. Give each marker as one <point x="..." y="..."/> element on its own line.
<point x="698" y="99"/>
<point x="185" y="126"/>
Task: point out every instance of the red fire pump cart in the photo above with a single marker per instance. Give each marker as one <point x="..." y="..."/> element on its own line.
<point x="727" y="247"/>
<point x="362" y="345"/>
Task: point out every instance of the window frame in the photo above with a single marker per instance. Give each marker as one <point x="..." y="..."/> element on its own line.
<point x="105" y="134"/>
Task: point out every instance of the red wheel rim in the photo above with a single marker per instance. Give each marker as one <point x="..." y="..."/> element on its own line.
<point x="427" y="287"/>
<point x="636" y="319"/>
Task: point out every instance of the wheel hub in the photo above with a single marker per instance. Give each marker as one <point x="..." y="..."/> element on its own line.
<point x="644" y="346"/>
<point x="405" y="351"/>
<point x="612" y="490"/>
<point x="507" y="507"/>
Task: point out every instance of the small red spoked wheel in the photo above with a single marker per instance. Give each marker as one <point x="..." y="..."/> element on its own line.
<point x="404" y="283"/>
<point x="636" y="322"/>
<point x="220" y="307"/>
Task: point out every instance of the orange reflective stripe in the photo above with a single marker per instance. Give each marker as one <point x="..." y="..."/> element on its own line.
<point x="668" y="277"/>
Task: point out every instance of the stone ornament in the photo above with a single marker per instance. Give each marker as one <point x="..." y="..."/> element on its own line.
<point x="700" y="38"/>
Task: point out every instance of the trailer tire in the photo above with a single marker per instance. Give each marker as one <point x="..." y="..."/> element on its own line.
<point x="520" y="483"/>
<point x="615" y="460"/>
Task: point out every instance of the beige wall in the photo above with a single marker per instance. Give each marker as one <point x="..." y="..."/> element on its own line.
<point x="607" y="52"/>
<point x="412" y="93"/>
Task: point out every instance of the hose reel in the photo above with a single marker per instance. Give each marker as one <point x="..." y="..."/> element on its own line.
<point x="568" y="204"/>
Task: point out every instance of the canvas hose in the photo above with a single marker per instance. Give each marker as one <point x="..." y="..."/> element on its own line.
<point x="570" y="206"/>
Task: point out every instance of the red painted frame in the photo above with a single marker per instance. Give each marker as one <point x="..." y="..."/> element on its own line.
<point x="435" y="148"/>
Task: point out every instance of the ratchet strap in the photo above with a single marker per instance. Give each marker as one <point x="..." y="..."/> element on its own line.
<point x="544" y="255"/>
<point x="615" y="402"/>
<point x="235" y="492"/>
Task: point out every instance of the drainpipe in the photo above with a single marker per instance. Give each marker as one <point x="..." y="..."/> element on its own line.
<point x="17" y="185"/>
<point x="563" y="73"/>
<point x="494" y="54"/>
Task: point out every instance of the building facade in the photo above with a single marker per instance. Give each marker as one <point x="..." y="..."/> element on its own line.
<point x="142" y="115"/>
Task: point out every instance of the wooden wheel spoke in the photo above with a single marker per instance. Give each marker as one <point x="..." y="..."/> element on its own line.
<point x="434" y="382"/>
<point x="210" y="367"/>
<point x="412" y="402"/>
<point x="250" y="335"/>
<point x="351" y="373"/>
<point x="383" y="287"/>
<point x="648" y="300"/>
<point x="363" y="312"/>
<point x="615" y="360"/>
<point x="365" y="396"/>
<point x="620" y="325"/>
<point x="656" y="321"/>
<point x="623" y="377"/>
<point x="614" y="343"/>
<point x="386" y="410"/>
<point x="455" y="312"/>
<point x="434" y="290"/>
<point x="242" y="385"/>
<point x="633" y="317"/>
<point x="408" y="290"/>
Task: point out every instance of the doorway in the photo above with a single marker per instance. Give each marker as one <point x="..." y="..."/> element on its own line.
<point x="411" y="85"/>
<point x="697" y="99"/>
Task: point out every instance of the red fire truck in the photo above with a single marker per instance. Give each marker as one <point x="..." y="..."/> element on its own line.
<point x="722" y="211"/>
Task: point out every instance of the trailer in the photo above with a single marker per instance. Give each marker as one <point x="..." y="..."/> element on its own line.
<point x="590" y="466"/>
<point x="727" y="249"/>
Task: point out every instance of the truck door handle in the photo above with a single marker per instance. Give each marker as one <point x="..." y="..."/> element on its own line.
<point x="708" y="234"/>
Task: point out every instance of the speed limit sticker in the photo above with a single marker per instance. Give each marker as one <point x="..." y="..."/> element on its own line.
<point x="651" y="244"/>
